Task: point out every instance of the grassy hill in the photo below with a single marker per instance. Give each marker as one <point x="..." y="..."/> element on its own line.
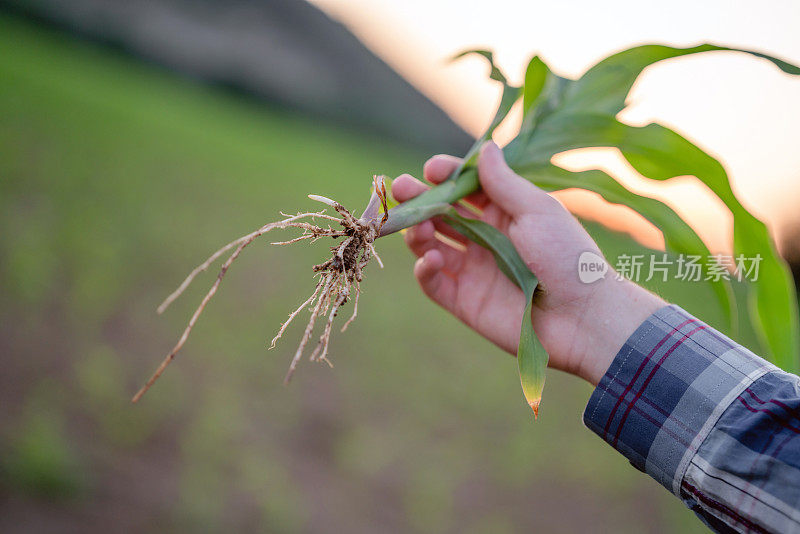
<point x="117" y="178"/>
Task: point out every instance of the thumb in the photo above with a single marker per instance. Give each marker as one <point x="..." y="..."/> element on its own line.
<point x="512" y="193"/>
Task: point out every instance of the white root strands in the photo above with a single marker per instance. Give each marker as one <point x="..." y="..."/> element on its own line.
<point x="338" y="275"/>
<point x="263" y="230"/>
<point x="295" y="314"/>
<point x="309" y="328"/>
<point x="355" y="308"/>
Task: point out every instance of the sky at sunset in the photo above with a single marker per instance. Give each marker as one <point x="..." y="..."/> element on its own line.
<point x="741" y="109"/>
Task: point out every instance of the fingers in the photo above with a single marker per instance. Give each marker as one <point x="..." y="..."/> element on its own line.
<point x="422" y="238"/>
<point x="429" y="271"/>
<point x="405" y="187"/>
<point x="439" y="168"/>
<point x="507" y="189"/>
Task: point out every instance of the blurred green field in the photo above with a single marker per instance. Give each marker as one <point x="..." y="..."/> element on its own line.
<point x="116" y="178"/>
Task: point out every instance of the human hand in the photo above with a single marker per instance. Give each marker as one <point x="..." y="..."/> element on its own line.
<point x="582" y="326"/>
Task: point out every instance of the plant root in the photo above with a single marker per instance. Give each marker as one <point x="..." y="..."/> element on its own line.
<point x="338" y="276"/>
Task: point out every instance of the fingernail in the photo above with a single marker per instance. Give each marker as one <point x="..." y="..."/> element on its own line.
<point x="496" y="152"/>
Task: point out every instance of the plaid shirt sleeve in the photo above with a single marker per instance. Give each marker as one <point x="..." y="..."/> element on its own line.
<point x="708" y="419"/>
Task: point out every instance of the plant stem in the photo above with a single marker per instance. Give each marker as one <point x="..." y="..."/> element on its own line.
<point x="434" y="201"/>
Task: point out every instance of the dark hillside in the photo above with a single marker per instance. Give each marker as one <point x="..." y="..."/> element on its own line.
<point x="286" y="51"/>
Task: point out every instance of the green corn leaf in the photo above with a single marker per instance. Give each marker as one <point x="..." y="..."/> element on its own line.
<point x="470" y="160"/>
<point x="660" y="153"/>
<point x="560" y="115"/>
<point x="507" y="101"/>
<point x="444" y="192"/>
<point x="536" y="75"/>
<point x="655" y="152"/>
<point x="509" y="97"/>
<point x="679" y="237"/>
<point x="431" y="202"/>
<point x="605" y="86"/>
<point x="488" y="55"/>
<point x="531" y="356"/>
<point x="542" y="93"/>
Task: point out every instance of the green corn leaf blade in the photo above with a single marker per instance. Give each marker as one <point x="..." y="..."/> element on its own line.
<point x="488" y="55"/>
<point x="536" y="75"/>
<point x="560" y="115"/>
<point x="531" y="356"/>
<point x="506" y="256"/>
<point x="772" y="303"/>
<point x="407" y="214"/>
<point x="605" y="86"/>
<point x="431" y="202"/>
<point x="679" y="237"/>
<point x="531" y="362"/>
<point x="509" y="97"/>
<point x="489" y="237"/>
<point x="541" y="93"/>
<point x="560" y="132"/>
<point x="470" y="160"/>
<point x="660" y="153"/>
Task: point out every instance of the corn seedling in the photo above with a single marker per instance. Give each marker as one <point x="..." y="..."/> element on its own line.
<point x="558" y="115"/>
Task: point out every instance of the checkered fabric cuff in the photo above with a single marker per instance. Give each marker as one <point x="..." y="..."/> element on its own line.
<point x="666" y="389"/>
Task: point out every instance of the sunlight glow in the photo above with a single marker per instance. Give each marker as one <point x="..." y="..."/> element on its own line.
<point x="741" y="109"/>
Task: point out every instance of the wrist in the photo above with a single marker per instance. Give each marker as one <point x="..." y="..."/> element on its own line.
<point x="615" y="311"/>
